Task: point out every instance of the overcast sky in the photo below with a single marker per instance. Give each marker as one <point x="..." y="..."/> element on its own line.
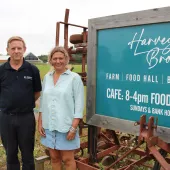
<point x="35" y="20"/>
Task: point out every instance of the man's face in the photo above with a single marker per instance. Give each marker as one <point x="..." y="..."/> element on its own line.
<point x="16" y="50"/>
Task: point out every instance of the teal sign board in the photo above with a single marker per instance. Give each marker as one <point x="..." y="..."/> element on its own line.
<point x="133" y="72"/>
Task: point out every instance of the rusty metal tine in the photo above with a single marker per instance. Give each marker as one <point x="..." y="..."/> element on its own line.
<point x="159" y="158"/>
<point x="164" y="145"/>
<point x="123" y="156"/>
<point x="150" y="127"/>
<point x="104" y="136"/>
<point x="107" y="151"/>
<point x="138" y="162"/>
<point x="142" y="127"/>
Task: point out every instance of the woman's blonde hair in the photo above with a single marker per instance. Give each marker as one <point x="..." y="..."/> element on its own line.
<point x="58" y="49"/>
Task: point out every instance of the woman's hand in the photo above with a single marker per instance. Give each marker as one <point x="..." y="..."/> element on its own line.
<point x="72" y="132"/>
<point x="71" y="135"/>
<point x="40" y="128"/>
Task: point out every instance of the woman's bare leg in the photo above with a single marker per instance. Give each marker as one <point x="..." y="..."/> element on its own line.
<point x="68" y="159"/>
<point x="56" y="160"/>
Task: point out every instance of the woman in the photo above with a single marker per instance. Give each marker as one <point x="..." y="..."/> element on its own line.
<point x="61" y="108"/>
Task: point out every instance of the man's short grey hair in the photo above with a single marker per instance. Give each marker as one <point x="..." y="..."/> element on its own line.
<point x="13" y="38"/>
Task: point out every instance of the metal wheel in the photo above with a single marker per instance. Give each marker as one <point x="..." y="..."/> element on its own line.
<point x="107" y="160"/>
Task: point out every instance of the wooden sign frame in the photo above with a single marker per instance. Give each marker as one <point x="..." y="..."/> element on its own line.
<point x="159" y="15"/>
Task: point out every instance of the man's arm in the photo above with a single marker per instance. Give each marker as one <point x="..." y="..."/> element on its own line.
<point x="36" y="82"/>
<point x="36" y="95"/>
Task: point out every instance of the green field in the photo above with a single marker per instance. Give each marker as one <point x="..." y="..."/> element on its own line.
<point x="44" y="68"/>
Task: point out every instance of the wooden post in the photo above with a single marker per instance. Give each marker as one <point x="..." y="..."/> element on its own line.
<point x="39" y="162"/>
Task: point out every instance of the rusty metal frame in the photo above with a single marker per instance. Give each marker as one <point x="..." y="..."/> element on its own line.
<point x="147" y="134"/>
<point x="151" y="152"/>
<point x="80" y="48"/>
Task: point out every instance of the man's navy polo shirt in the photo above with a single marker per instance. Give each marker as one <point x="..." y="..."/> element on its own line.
<point x="17" y="87"/>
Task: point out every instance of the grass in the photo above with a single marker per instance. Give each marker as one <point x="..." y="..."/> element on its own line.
<point x="44" y="68"/>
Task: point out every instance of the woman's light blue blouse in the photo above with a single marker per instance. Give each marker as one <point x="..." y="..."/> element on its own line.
<point x="62" y="102"/>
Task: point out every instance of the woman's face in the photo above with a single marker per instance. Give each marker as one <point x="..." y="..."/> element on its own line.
<point x="58" y="61"/>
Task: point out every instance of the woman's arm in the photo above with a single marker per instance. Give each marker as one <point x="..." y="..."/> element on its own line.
<point x="75" y="123"/>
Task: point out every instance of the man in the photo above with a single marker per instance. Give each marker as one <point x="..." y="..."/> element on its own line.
<point x="20" y="87"/>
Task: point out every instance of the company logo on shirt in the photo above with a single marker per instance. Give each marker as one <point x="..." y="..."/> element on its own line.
<point x="27" y="77"/>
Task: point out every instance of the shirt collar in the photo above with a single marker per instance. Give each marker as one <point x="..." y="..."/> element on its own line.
<point x="8" y="66"/>
<point x="66" y="72"/>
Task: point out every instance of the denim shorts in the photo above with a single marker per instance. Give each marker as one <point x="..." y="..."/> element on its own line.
<point x="57" y="140"/>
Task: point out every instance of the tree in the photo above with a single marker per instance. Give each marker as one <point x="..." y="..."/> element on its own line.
<point x="44" y="58"/>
